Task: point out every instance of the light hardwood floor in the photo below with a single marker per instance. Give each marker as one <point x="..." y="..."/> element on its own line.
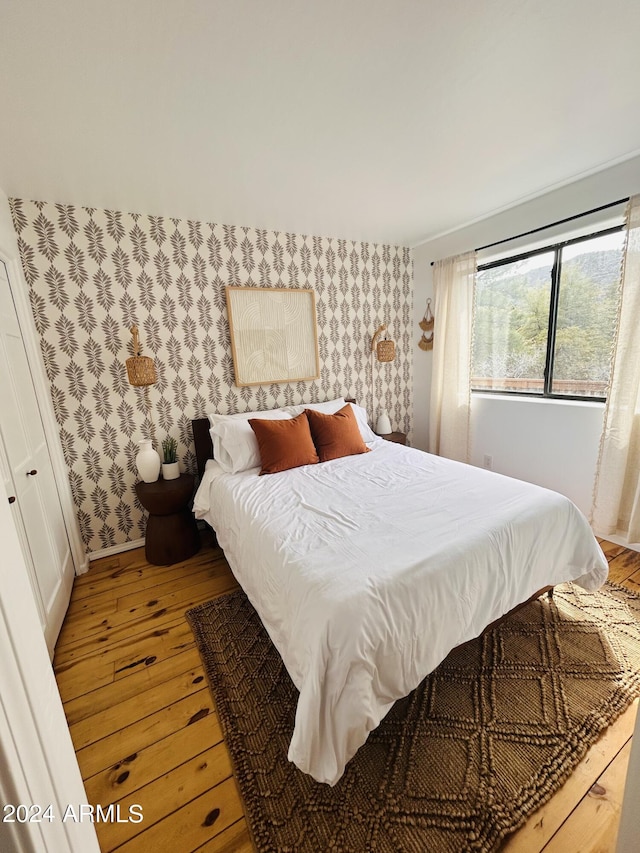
<point x="146" y="733"/>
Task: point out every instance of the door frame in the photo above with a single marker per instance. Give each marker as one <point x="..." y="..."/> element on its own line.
<point x="9" y="254"/>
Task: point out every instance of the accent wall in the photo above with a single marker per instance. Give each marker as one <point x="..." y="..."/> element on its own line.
<point x="92" y="274"/>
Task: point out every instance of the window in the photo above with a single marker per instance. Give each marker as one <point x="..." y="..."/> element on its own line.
<point x="544" y="321"/>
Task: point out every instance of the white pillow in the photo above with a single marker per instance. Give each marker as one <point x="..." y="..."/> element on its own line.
<point x="368" y="435"/>
<point x="333" y="406"/>
<point x="271" y="414"/>
<point x="235" y="447"/>
<point x="330" y="407"/>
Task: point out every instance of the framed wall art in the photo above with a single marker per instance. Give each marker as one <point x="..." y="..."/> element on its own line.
<point x="274" y="336"/>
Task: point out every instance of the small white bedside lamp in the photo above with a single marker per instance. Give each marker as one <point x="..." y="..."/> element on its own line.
<point x="383" y="424"/>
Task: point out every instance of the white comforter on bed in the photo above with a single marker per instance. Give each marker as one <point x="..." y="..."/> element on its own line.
<point x="366" y="571"/>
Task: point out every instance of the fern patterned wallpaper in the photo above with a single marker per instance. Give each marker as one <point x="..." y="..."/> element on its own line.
<point x="93" y="273"/>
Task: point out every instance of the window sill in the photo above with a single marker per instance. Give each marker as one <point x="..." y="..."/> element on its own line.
<point x="542" y="401"/>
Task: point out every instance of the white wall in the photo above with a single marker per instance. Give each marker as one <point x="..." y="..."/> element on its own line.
<point x="546" y="442"/>
<point x="551" y="443"/>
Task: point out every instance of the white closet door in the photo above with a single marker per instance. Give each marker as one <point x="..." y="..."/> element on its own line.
<point x="28" y="475"/>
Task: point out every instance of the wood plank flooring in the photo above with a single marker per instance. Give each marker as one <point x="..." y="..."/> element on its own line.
<point x="146" y="733"/>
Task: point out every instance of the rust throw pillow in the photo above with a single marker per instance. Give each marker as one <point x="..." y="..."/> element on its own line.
<point x="336" y="435"/>
<point x="284" y="444"/>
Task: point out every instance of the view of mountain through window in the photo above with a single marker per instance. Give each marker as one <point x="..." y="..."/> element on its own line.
<point x="544" y="323"/>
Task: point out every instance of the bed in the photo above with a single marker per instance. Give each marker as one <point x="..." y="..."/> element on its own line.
<point x="366" y="571"/>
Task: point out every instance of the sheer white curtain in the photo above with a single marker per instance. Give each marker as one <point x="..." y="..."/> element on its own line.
<point x="453" y="283"/>
<point x="616" y="505"/>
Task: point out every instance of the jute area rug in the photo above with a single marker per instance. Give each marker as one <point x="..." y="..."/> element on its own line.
<point x="455" y="766"/>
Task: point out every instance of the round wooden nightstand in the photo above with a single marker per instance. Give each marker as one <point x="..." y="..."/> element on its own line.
<point x="397" y="437"/>
<point x="172" y="534"/>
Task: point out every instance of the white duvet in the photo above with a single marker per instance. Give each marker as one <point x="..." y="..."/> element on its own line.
<point x="366" y="571"/>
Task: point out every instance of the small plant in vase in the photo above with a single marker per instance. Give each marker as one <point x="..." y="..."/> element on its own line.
<point x="170" y="467"/>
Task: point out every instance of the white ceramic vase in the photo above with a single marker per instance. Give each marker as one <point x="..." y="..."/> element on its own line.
<point x="170" y="470"/>
<point x="147" y="462"/>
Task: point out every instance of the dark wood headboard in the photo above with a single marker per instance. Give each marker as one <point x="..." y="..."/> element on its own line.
<point x="202" y="440"/>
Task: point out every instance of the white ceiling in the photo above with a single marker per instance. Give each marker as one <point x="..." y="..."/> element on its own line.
<point x="384" y="120"/>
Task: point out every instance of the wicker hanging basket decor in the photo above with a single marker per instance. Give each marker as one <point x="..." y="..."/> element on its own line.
<point x="426" y="324"/>
<point x="385" y="349"/>
<point x="140" y="368"/>
<point x="426" y="342"/>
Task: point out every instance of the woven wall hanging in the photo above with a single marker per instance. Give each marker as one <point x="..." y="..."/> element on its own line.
<point x="140" y="368"/>
<point x="426" y="324"/>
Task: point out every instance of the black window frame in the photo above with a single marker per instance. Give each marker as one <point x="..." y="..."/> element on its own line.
<point x="556" y="272"/>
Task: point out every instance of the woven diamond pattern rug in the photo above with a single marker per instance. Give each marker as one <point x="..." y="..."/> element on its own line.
<point x="455" y="766"/>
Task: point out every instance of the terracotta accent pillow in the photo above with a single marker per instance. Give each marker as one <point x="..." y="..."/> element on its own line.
<point x="284" y="444"/>
<point x="336" y="435"/>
